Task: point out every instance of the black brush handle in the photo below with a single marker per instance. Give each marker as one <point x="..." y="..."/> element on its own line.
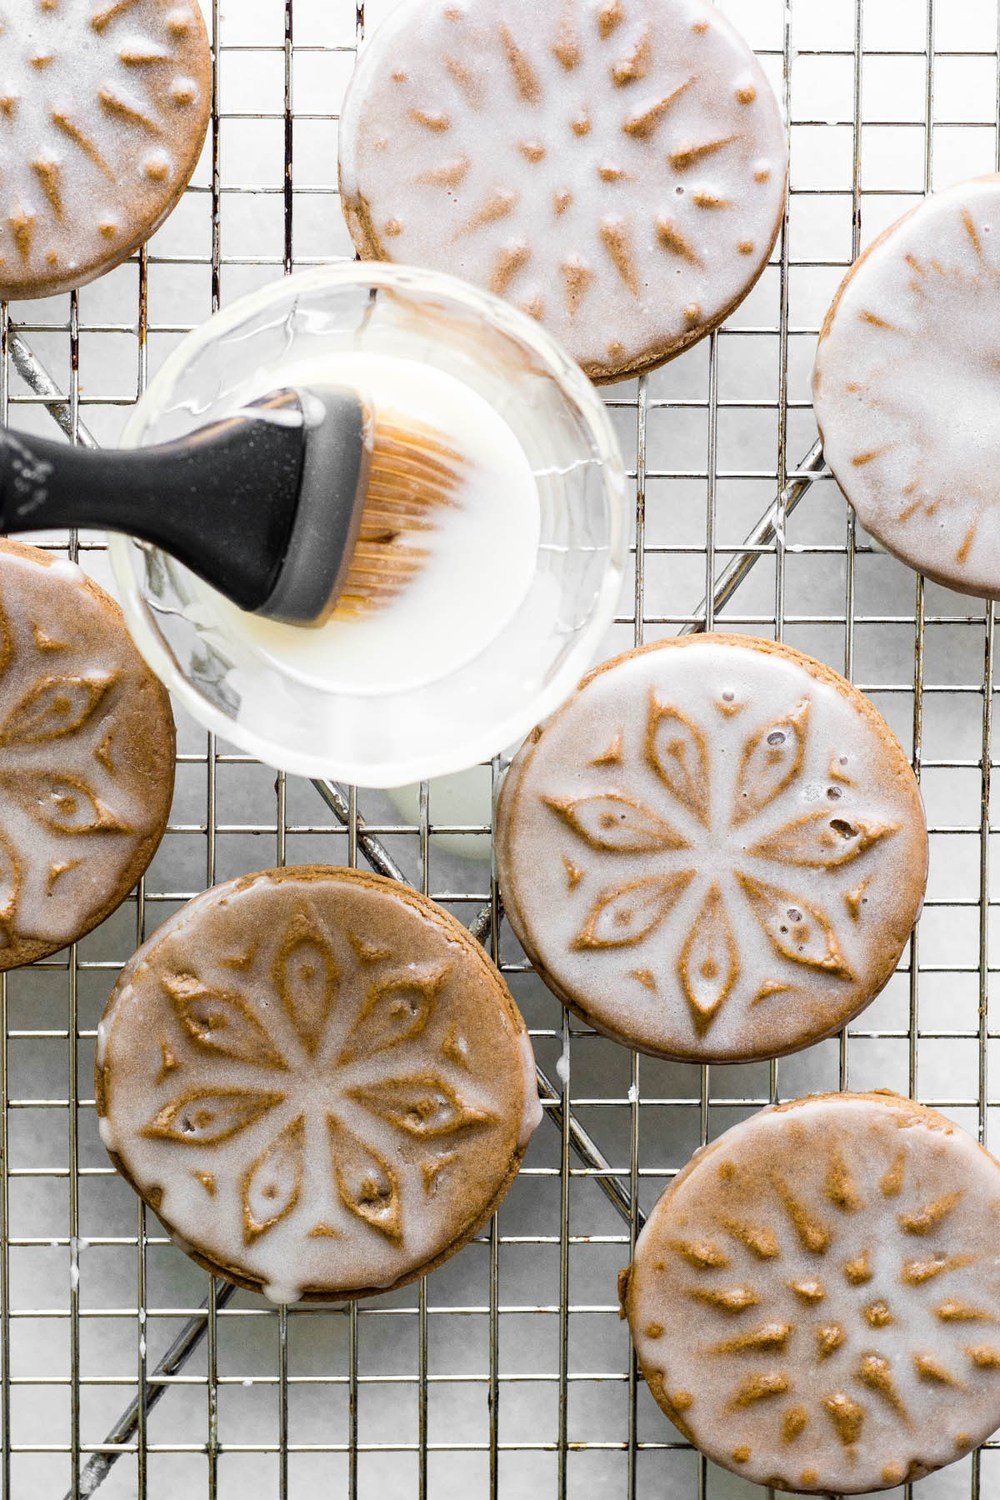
<point x="222" y="500"/>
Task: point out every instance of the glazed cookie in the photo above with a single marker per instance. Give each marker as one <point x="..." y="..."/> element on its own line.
<point x="905" y="387"/>
<point x="317" y="1080"/>
<point x="87" y="758"/>
<point x="815" y="1300"/>
<point x="614" y="167"/>
<point x="104" y="106"/>
<point x="715" y="850"/>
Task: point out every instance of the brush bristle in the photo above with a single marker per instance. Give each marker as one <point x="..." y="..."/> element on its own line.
<point x="413" y="476"/>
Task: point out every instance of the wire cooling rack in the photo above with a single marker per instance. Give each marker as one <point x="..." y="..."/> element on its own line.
<point x="126" y="1371"/>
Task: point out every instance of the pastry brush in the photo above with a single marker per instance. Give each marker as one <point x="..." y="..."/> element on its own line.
<point x="298" y="506"/>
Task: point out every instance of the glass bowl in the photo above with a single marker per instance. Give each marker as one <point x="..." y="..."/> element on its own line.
<point x="452" y="721"/>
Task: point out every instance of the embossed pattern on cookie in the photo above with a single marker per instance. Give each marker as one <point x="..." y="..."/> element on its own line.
<point x="86" y="756"/>
<point x="621" y="183"/>
<point x="103" y="110"/>
<point x="815" y="1301"/>
<point x="906" y="385"/>
<point x="716" y="849"/>
<point x="349" y="1087"/>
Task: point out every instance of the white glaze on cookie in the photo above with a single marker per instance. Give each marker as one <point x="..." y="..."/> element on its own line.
<point x="715" y="849"/>
<point x="86" y="756"/>
<point x="617" y="170"/>
<point x="103" y="109"/>
<point x="317" y="1080"/>
<point x="907" y="382"/>
<point x="816" y="1300"/>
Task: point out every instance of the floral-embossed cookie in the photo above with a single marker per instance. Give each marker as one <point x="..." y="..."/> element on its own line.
<point x="716" y="849"/>
<point x="906" y="387"/>
<point x="318" y="1080"/>
<point x="815" y="1300"/>
<point x="86" y="756"/>
<point x="104" y="106"/>
<point x="616" y="168"/>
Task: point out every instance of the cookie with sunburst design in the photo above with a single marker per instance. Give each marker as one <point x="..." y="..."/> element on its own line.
<point x="715" y="850"/>
<point x="104" y="106"/>
<point x="86" y="756"/>
<point x="616" y="168"/>
<point x="906" y="385"/>
<point x="317" y="1080"/>
<point x="815" y="1300"/>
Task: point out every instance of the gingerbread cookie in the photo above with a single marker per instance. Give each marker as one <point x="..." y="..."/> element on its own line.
<point x="104" y="106"/>
<point x="715" y="850"/>
<point x="317" y="1080"/>
<point x="906" y="385"/>
<point x="815" y="1300"/>
<point x="86" y="756"/>
<point x="616" y="168"/>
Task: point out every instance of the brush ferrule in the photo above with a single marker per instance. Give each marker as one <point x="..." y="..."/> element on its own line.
<point x="339" y="437"/>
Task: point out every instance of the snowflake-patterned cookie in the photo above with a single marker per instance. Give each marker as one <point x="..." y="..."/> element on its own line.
<point x="716" y="849"/>
<point x="906" y="385"/>
<point x="86" y="756"/>
<point x="318" y="1081"/>
<point x="104" y="106"/>
<point x="815" y="1301"/>
<point x="616" y="168"/>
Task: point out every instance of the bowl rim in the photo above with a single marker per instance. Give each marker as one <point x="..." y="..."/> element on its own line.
<point x="457" y="755"/>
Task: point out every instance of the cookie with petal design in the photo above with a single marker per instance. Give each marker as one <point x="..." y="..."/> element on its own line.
<point x="906" y="383"/>
<point x="616" y="168"/>
<point x="104" y="106"/>
<point x="715" y="850"/>
<point x="86" y="756"/>
<point x="815" y="1300"/>
<point x="317" y="1080"/>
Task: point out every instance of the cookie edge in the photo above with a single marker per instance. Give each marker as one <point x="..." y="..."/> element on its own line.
<point x="973" y="591"/>
<point x="36" y="288"/>
<point x="455" y="931"/>
<point x="506" y="813"/>
<point x="369" y="247"/>
<point x="161" y="773"/>
<point x="920" y="1115"/>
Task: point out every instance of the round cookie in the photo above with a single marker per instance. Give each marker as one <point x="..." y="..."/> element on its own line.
<point x="317" y="1080"/>
<point x="715" y="850"/>
<point x="86" y="756"/>
<point x="905" y="387"/>
<point x="104" y="106"/>
<point x="616" y="168"/>
<point x="814" y="1301"/>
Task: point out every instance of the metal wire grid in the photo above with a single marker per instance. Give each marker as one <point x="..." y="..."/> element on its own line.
<point x="508" y="1372"/>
